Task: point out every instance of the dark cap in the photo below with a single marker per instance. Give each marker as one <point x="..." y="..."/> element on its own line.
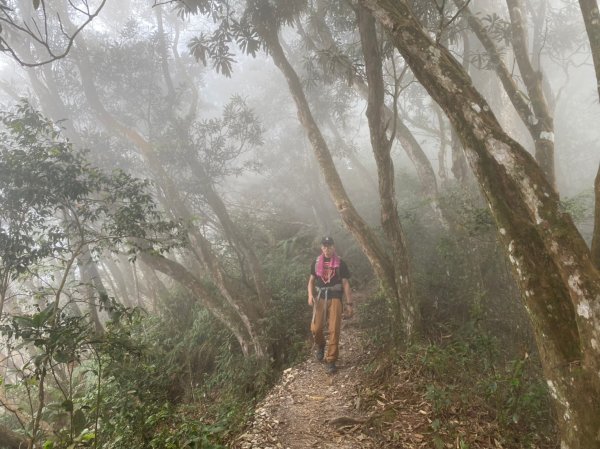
<point x="327" y="241"/>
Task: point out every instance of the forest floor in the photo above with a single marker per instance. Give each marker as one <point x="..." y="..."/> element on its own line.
<point x="312" y="409"/>
<point x="368" y="403"/>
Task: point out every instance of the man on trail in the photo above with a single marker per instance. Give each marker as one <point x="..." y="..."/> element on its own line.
<point x="327" y="284"/>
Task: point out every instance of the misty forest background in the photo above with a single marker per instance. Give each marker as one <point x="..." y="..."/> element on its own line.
<point x="167" y="170"/>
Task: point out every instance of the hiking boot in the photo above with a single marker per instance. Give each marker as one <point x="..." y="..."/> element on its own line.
<point x="320" y="353"/>
<point x="331" y="368"/>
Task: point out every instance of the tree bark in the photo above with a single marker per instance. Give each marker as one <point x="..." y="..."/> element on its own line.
<point x="407" y="308"/>
<point x="591" y="18"/>
<point x="552" y="264"/>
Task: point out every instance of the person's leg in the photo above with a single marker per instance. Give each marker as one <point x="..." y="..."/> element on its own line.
<point x="335" y="322"/>
<point x="316" y="326"/>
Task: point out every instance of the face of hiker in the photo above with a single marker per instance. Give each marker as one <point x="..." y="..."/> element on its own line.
<point x="327" y="250"/>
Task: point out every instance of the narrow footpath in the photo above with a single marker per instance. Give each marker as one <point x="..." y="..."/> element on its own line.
<point x="312" y="409"/>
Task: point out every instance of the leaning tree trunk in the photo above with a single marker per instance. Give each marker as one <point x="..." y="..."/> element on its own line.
<point x="407" y="310"/>
<point x="551" y="262"/>
<point x="365" y="237"/>
<point x="591" y="18"/>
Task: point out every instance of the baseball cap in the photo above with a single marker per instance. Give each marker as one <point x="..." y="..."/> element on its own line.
<point x="327" y="241"/>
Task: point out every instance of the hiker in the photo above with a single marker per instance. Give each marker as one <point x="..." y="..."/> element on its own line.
<point x="327" y="284"/>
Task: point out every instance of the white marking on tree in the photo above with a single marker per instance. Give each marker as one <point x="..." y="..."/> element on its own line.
<point x="547" y="135"/>
<point x="476" y="107"/>
<point x="583" y="309"/>
<point x="502" y="231"/>
<point x="553" y="390"/>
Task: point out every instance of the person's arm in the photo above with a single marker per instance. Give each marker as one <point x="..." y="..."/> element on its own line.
<point x="311" y="289"/>
<point x="348" y="293"/>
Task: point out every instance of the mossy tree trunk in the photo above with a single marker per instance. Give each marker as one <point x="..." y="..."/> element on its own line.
<point x="558" y="282"/>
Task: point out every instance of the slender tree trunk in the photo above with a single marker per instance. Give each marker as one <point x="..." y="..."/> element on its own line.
<point x="552" y="264"/>
<point x="591" y="18"/>
<point x="543" y="137"/>
<point x="406" y="308"/>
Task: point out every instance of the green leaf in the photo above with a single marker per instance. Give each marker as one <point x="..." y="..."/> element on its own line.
<point x="88" y="436"/>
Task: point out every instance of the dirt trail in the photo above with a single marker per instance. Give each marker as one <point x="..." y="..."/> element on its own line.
<point x="312" y="409"/>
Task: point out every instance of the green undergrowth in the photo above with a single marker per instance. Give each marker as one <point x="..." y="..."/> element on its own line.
<point x="477" y="393"/>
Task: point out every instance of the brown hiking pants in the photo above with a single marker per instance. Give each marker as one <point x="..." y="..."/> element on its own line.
<point x="331" y="310"/>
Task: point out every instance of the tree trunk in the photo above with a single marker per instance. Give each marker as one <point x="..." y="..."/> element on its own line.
<point x="552" y="264"/>
<point x="591" y="18"/>
<point x="543" y="136"/>
<point x="407" y="309"/>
